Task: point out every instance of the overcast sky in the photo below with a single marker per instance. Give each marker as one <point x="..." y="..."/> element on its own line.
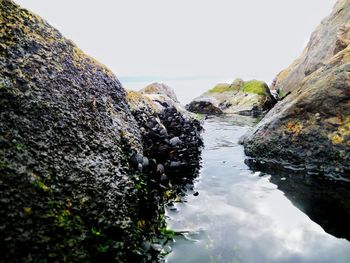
<point x="176" y="38"/>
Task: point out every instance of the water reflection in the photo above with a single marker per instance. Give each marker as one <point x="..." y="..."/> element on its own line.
<point x="325" y="201"/>
<point x="243" y="216"/>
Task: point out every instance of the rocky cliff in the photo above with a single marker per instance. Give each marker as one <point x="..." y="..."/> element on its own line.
<point x="240" y="97"/>
<point x="76" y="184"/>
<point x="330" y="37"/>
<point x="310" y="127"/>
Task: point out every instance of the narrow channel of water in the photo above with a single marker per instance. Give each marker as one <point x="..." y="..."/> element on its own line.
<point x="240" y="215"/>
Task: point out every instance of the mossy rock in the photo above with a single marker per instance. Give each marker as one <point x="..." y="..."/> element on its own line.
<point x="256" y="87"/>
<point x="240" y="97"/>
<point x="221" y="87"/>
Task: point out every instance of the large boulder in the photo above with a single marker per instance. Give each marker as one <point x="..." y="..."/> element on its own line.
<point x="329" y="38"/>
<point x="241" y="97"/>
<point x="75" y="183"/>
<point x="310" y="128"/>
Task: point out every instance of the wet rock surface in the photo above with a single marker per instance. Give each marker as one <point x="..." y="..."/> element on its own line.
<point x="77" y="181"/>
<point x="310" y="127"/>
<point x="241" y="97"/>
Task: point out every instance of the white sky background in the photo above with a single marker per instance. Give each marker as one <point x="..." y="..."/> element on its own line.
<point x="188" y="38"/>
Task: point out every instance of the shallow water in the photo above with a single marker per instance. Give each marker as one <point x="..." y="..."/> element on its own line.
<point x="241" y="216"/>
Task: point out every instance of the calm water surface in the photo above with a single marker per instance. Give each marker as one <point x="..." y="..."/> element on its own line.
<point x="240" y="215"/>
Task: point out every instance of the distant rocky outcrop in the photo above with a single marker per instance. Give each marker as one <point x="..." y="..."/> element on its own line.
<point x="310" y="128"/>
<point x="80" y="177"/>
<point x="241" y="97"/>
<point x="160" y="89"/>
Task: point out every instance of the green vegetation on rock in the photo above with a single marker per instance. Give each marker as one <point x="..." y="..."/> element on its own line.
<point x="256" y="87"/>
<point x="240" y="97"/>
<point x="222" y="87"/>
<point x="252" y="86"/>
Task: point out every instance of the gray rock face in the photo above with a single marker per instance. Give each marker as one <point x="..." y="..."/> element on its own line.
<point x="71" y="152"/>
<point x="310" y="128"/>
<point x="245" y="98"/>
<point x="329" y="38"/>
<point x="160" y="89"/>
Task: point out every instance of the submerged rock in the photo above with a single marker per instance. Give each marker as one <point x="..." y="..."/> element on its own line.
<point x="245" y="98"/>
<point x="311" y="126"/>
<point x="77" y="183"/>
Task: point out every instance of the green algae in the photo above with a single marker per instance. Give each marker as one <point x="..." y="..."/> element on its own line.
<point x="220" y="88"/>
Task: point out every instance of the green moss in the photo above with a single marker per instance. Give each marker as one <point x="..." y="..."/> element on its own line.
<point x="199" y="116"/>
<point x="20" y="146"/>
<point x="41" y="186"/>
<point x="252" y="86"/>
<point x="103" y="248"/>
<point x="167" y="233"/>
<point x="95" y="232"/>
<point x="222" y="87"/>
<point x="256" y="87"/>
<point x="68" y="221"/>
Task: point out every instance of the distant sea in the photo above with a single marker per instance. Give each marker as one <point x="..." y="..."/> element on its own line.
<point x="186" y="89"/>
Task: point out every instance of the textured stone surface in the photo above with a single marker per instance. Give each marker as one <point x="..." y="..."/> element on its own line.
<point x="330" y="37"/>
<point x="69" y="187"/>
<point x="310" y="128"/>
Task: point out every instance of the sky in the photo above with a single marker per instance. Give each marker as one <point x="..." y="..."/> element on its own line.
<point x="187" y="39"/>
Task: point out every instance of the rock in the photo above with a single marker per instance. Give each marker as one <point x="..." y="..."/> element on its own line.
<point x="246" y="98"/>
<point x="175" y="141"/>
<point x="204" y="106"/>
<point x="145" y="162"/>
<point x="137" y="159"/>
<point x="160" y="169"/>
<point x="311" y="126"/>
<point x="175" y="164"/>
<point x="73" y="156"/>
<point x="160" y="89"/>
<point x="330" y="37"/>
<point x="171" y="134"/>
